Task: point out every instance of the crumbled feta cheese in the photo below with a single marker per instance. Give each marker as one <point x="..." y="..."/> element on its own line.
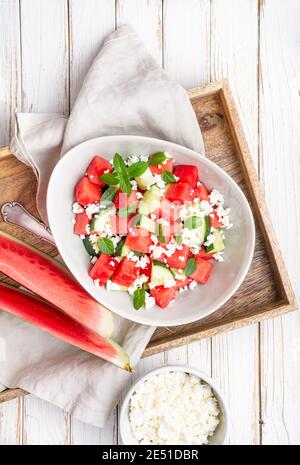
<point x="76" y="208"/>
<point x="88" y="229"/>
<point x="93" y="260"/>
<point x="224" y="216"/>
<point x="210" y="240"/>
<point x="112" y="263"/>
<point x="134" y="185"/>
<point x="173" y="407"/>
<point x="153" y="216"/>
<point x="82" y="236"/>
<point x="193" y="285"/>
<point x="218" y="256"/>
<point x="96" y="282"/>
<point x="139" y="195"/>
<point x="183" y="289"/>
<point x="159" y="181"/>
<point x="144" y="158"/>
<point x="181" y="258"/>
<point x="110" y="286"/>
<point x="91" y="209"/>
<point x="216" y="198"/>
<point x="106" y="171"/>
<point x="168" y="283"/>
<point x="140" y="280"/>
<point x="149" y="301"/>
<point x="132" y="159"/>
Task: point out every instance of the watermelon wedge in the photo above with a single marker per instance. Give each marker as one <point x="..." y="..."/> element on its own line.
<point x="39" y="313"/>
<point x="52" y="281"/>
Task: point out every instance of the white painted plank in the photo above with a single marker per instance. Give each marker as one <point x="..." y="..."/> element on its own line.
<point x="45" y="56"/>
<point x="234" y="43"/>
<point x="199" y="356"/>
<point x="10" y="97"/>
<point x="45" y="88"/>
<point x="88" y="28"/>
<point x="187" y="41"/>
<point x="280" y="169"/>
<point x="11" y="423"/>
<point x="44" y="424"/>
<point x="146" y="18"/>
<point x="10" y="84"/>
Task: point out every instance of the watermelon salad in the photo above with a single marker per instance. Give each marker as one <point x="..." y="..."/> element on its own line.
<point x="151" y="227"/>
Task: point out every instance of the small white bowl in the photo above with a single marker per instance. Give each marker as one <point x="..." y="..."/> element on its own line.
<point x="189" y="306"/>
<point x="221" y="433"/>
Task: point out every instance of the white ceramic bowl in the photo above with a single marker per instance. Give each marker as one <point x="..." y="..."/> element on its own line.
<point x="220" y="435"/>
<point x="189" y="306"/>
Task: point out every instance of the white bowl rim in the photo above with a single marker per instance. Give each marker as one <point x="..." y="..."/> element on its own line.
<point x="186" y="369"/>
<point x="137" y="316"/>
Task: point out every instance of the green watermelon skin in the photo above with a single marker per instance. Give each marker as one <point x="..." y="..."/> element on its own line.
<point x="39" y="313"/>
<point x="50" y="280"/>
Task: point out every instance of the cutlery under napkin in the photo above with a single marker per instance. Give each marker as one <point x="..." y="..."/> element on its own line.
<point x="124" y="92"/>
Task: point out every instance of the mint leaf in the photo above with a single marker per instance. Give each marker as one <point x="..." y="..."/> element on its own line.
<point x="127" y="211"/>
<point x="105" y="245"/>
<point x="157" y="158"/>
<point x="109" y="178"/>
<point x="125" y="185"/>
<point x="139" y="297"/>
<point x="137" y="169"/>
<point x="168" y="177"/>
<point x="190" y="267"/>
<point x="122" y="174"/>
<point x="109" y="195"/>
<point x="119" y="163"/>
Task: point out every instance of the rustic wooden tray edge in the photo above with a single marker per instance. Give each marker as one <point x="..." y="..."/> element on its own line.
<point x="288" y="302"/>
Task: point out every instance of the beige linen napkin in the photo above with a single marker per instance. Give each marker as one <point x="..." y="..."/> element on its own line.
<point x="124" y="92"/>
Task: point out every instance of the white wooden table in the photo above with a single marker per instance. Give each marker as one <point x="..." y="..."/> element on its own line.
<point x="46" y="48"/>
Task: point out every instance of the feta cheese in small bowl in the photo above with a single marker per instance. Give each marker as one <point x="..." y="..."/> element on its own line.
<point x="174" y="405"/>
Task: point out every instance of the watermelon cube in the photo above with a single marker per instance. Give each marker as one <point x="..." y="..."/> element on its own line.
<point x="201" y="192"/>
<point x="138" y="239"/>
<point x="86" y="192"/>
<point x="162" y="295"/>
<point x="96" y="168"/>
<point x="187" y="173"/>
<point x="202" y="272"/>
<point x="179" y="192"/>
<point x="159" y="169"/>
<point x="179" y="258"/>
<point x="81" y="223"/>
<point x="104" y="267"/>
<point x="126" y="273"/>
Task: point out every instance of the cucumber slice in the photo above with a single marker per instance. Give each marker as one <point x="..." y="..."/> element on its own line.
<point x="146" y="179"/>
<point x="100" y="220"/>
<point x="146" y="223"/>
<point x="89" y="247"/>
<point x="202" y="225"/>
<point x="150" y="201"/>
<point x="218" y="244"/>
<point x="160" y="275"/>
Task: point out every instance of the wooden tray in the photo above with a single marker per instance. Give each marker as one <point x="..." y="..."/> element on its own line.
<point x="266" y="291"/>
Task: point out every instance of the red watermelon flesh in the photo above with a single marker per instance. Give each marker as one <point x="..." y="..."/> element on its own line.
<point x="96" y="168"/>
<point x="87" y="192"/>
<point x="39" y="313"/>
<point x="187" y="173"/>
<point x="81" y="222"/>
<point x="52" y="281"/>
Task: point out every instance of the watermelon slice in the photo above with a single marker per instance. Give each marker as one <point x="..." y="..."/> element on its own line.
<point x="122" y="200"/>
<point x="96" y="168"/>
<point x="87" y="192"/>
<point x="214" y="220"/>
<point x="52" y="281"/>
<point x="179" y="258"/>
<point x="139" y="240"/>
<point x="39" y="313"/>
